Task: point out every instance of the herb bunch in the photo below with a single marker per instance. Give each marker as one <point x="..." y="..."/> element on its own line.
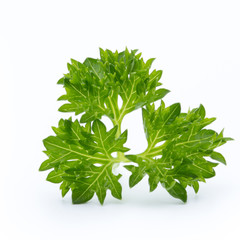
<point x="81" y="153"/>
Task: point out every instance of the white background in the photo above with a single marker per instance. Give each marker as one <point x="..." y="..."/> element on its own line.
<point x="195" y="43"/>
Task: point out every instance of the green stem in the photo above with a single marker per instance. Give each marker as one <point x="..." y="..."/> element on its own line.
<point x="119" y="129"/>
<point x="121" y="158"/>
<point x="120" y="155"/>
<point x="152" y="152"/>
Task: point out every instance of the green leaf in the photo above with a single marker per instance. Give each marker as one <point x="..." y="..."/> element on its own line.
<point x="137" y="176"/>
<point x="195" y="186"/>
<point x="178" y="191"/>
<point x="73" y="154"/>
<point x="55" y="176"/>
<point x="153" y="181"/>
<point x="65" y="187"/>
<point x="167" y="116"/>
<point x="94" y="86"/>
<point x="218" y="156"/>
<point x="177" y="147"/>
<point x="82" y="194"/>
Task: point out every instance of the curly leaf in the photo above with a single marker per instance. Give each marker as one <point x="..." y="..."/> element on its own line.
<point x="94" y="86"/>
<point x="177" y="149"/>
<point x="82" y="160"/>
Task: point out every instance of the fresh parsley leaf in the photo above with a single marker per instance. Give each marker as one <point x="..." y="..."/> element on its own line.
<point x="82" y="153"/>
<point x="94" y="86"/>
<point x="82" y="160"/>
<point x="177" y="149"/>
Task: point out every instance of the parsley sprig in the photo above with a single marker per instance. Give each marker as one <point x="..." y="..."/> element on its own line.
<point x="81" y="154"/>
